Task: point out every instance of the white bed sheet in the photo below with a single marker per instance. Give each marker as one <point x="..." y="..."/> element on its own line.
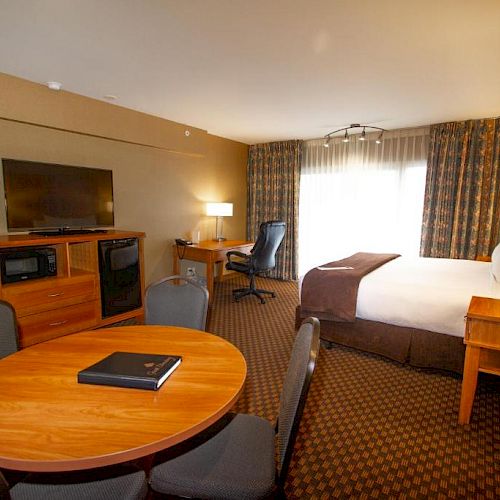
<point x="425" y="293"/>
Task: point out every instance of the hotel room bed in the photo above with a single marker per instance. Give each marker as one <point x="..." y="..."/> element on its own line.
<point x="412" y="310"/>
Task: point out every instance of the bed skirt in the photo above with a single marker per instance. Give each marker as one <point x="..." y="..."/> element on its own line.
<point x="419" y="348"/>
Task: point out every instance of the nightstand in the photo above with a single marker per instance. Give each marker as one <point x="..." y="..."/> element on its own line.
<point x="482" y="354"/>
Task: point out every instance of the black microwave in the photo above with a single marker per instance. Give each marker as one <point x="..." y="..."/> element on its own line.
<point x="25" y="264"/>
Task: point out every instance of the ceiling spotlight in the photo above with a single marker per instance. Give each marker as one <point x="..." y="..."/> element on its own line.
<point x="54" y="85"/>
<point x="362" y="137"/>
<point x="110" y="97"/>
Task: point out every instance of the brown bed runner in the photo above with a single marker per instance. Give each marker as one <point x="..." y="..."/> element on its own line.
<point x="331" y="294"/>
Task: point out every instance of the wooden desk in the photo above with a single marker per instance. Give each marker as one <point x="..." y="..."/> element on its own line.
<point x="209" y="252"/>
<point x="49" y="422"/>
<point x="482" y="337"/>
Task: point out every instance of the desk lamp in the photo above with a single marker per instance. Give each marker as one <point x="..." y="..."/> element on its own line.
<point x="219" y="211"/>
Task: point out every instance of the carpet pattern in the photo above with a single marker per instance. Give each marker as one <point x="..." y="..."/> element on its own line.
<point x="372" y="428"/>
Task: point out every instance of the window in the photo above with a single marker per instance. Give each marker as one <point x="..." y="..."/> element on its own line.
<point x="361" y="196"/>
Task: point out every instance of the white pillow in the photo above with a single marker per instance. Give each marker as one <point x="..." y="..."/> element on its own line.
<point x="495" y="263"/>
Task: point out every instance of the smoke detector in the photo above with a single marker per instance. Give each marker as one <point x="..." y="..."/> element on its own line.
<point x="54" y="85"/>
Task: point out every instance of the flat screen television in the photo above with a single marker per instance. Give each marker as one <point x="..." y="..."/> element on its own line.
<point x="50" y="196"/>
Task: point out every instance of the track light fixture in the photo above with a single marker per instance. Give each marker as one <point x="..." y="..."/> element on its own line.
<point x="362" y="137"/>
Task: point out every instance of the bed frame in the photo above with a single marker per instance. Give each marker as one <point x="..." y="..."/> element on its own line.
<point x="420" y="348"/>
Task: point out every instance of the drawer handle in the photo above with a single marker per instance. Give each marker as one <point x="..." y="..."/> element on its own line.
<point x="55" y="294"/>
<point x="58" y="323"/>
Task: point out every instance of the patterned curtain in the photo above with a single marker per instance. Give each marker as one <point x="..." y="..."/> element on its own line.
<point x="462" y="196"/>
<point x="273" y="194"/>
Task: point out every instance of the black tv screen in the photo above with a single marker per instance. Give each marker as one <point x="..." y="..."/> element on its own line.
<point x="49" y="196"/>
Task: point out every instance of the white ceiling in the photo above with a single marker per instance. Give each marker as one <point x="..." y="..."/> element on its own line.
<point x="264" y="70"/>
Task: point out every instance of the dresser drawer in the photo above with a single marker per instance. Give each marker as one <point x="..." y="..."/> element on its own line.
<point x="50" y="324"/>
<point x="48" y="294"/>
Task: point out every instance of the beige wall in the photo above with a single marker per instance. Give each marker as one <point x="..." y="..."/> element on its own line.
<point x="161" y="177"/>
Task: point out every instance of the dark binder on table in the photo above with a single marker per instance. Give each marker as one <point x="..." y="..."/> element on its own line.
<point x="131" y="369"/>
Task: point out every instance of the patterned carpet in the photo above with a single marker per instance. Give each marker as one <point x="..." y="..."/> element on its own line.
<point x="371" y="428"/>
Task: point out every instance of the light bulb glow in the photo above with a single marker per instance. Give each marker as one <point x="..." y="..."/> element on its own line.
<point x="360" y="137"/>
<point x="219" y="209"/>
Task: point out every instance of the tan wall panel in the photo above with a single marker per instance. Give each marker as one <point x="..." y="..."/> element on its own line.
<point x="156" y="191"/>
<point x="34" y="103"/>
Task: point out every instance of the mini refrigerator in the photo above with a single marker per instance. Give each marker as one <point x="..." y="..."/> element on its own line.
<point x="120" y="276"/>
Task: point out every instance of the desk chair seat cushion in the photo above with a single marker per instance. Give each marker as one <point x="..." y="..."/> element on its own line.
<point x="219" y="469"/>
<point x="80" y="486"/>
<point x="240" y="267"/>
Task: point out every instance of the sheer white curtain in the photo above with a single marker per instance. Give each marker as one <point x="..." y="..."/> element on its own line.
<point x="361" y="196"/>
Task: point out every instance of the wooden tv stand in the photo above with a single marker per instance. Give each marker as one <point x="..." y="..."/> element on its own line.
<point x="70" y="302"/>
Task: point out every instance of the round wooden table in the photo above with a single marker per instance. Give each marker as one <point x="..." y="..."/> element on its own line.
<point x="50" y="422"/>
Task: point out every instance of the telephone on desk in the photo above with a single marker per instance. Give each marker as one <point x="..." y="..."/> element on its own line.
<point x="182" y="243"/>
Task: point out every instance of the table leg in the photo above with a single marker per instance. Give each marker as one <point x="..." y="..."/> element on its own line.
<point x="210" y="281"/>
<point x="175" y="261"/>
<point x="145" y="463"/>
<point x="220" y="272"/>
<point x="469" y="383"/>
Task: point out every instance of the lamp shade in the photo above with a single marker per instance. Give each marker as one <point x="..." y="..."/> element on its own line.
<point x="220" y="209"/>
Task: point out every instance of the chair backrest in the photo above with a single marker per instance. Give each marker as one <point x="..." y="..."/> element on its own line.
<point x="295" y="388"/>
<point x="8" y="330"/>
<point x="177" y="301"/>
<point x="270" y="236"/>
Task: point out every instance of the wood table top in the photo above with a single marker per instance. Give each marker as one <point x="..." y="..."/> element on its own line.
<point x="221" y="245"/>
<point x="215" y="245"/>
<point x="15" y="240"/>
<point x="486" y="308"/>
<point x="50" y="422"/>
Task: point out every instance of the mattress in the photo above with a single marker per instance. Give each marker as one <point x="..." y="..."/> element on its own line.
<point x="425" y="293"/>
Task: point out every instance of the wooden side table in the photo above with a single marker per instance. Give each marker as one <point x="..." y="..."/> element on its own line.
<point x="482" y="354"/>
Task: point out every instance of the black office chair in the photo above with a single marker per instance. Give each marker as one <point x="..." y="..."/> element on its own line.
<point x="262" y="258"/>
<point x="237" y="458"/>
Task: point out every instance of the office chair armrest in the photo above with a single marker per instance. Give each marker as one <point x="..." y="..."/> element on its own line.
<point x="235" y="253"/>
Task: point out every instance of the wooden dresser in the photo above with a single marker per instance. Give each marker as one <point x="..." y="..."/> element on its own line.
<point x="70" y="301"/>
